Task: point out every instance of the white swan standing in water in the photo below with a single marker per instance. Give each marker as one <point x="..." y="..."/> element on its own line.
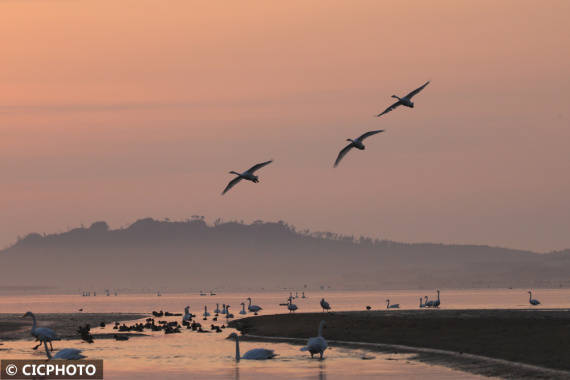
<point x="394" y="306"/>
<point x="253" y="308"/>
<point x="428" y="303"/>
<point x="247" y="175"/>
<point x="65" y="354"/>
<point x="405" y="101"/>
<point x="291" y="306"/>
<point x="318" y="344"/>
<point x="325" y="305"/>
<point x="532" y="301"/>
<point x="187" y="316"/>
<point x="242" y="311"/>
<point x="42" y="334"/>
<point x="254" y="354"/>
<point x="356" y="143"/>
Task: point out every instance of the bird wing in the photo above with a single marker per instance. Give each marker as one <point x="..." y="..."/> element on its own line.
<point x="342" y="153"/>
<point x="370" y="133"/>
<point x="415" y="92"/>
<point x="393" y="106"/>
<point x="231" y="184"/>
<point x="258" y="166"/>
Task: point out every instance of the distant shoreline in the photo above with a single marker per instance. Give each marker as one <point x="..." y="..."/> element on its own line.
<point x="503" y="343"/>
<point x="13" y="326"/>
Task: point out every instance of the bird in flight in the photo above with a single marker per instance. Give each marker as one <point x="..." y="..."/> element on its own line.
<point x="247" y="175"/>
<point x="405" y="101"/>
<point x="356" y="143"/>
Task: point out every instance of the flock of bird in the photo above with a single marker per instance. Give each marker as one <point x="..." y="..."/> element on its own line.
<point x="315" y="345"/>
<point x="249" y="174"/>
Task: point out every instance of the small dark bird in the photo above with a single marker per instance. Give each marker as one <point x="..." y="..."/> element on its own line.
<point x="368" y="308"/>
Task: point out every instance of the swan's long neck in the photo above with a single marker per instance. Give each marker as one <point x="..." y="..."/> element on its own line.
<point x="321" y="329"/>
<point x="243" y="306"/>
<point x="249" y="300"/>
<point x="438" y="295"/>
<point x="237" y="349"/>
<point x="529" y="298"/>
<point x="421" y="303"/>
<point x="397" y="97"/>
<point x="33" y="323"/>
<point x="236" y="173"/>
<point x="47" y="351"/>
<point x="387" y="303"/>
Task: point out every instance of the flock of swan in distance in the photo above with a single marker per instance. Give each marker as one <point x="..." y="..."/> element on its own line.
<point x="249" y="174"/>
<point x="315" y="345"/>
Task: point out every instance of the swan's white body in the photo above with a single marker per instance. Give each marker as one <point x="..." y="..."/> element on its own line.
<point x="253" y="308"/>
<point x="532" y="301"/>
<point x="65" y="354"/>
<point x="394" y="306"/>
<point x="254" y="354"/>
<point x="242" y="311"/>
<point x="42" y="334"/>
<point x="318" y="344"/>
<point x="325" y="305"/>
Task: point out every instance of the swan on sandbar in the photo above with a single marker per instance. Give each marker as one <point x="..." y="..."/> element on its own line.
<point x="242" y="311"/>
<point x="394" y="306"/>
<point x="532" y="301"/>
<point x="325" y="305"/>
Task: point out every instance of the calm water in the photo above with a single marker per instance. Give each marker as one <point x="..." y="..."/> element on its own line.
<point x="212" y="356"/>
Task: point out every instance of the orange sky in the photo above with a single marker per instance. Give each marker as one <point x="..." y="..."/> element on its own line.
<point x="115" y="110"/>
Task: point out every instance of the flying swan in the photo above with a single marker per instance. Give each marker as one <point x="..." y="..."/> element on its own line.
<point x="356" y="143"/>
<point x="247" y="175"/>
<point x="405" y="101"/>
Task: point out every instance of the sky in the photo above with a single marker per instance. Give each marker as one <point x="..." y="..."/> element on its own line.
<point x="117" y="110"/>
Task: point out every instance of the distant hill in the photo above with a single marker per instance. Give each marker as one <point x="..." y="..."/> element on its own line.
<point x="190" y="255"/>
